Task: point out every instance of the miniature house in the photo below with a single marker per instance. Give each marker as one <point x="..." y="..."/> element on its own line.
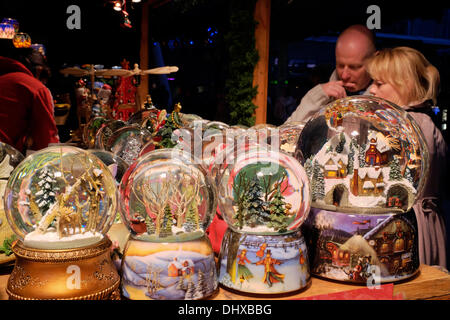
<point x="367" y="182"/>
<point x="335" y="168"/>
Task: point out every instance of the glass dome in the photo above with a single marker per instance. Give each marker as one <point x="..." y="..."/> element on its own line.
<point x="166" y="197"/>
<point x="263" y="191"/>
<point x="60" y="197"/>
<point x="91" y="129"/>
<point x="289" y="134"/>
<point x="128" y="141"/>
<point x="106" y="130"/>
<point x="363" y="154"/>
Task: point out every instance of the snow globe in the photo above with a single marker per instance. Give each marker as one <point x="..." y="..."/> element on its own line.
<point x="167" y="201"/>
<point x="105" y="132"/>
<point x="60" y="202"/>
<point x="128" y="141"/>
<point x="289" y="134"/>
<point x="90" y="130"/>
<point x="264" y="196"/>
<point x="367" y="162"/>
<point x="9" y="159"/>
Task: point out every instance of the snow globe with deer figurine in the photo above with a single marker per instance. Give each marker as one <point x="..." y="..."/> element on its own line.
<point x="167" y="201"/>
<point x="367" y="162"/>
<point x="264" y="196"/>
<point x="60" y="202"/>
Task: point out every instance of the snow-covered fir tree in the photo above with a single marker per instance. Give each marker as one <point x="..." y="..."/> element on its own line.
<point x="341" y="144"/>
<point x="351" y="157"/>
<point x="190" y="291"/>
<point x="317" y="182"/>
<point x="362" y="156"/>
<point x="308" y="167"/>
<point x="200" y="288"/>
<point x="408" y="175"/>
<point x="151" y="227"/>
<point x="190" y="223"/>
<point x="394" y="172"/>
<point x="47" y="184"/>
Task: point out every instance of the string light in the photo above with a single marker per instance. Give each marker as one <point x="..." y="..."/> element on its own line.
<point x="117" y="6"/>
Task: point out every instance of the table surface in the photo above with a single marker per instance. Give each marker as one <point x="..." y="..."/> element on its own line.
<point x="430" y="283"/>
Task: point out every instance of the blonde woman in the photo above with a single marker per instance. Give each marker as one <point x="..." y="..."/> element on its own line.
<point x="404" y="76"/>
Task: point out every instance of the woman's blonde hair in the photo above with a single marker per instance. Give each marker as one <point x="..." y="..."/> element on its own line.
<point x="408" y="71"/>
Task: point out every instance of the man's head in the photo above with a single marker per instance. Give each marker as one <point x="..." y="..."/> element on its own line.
<point x="354" y="45"/>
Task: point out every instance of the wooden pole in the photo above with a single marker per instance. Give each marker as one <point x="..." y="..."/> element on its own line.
<point x="142" y="90"/>
<point x="260" y="75"/>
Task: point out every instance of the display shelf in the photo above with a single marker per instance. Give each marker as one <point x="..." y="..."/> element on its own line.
<point x="430" y="283"/>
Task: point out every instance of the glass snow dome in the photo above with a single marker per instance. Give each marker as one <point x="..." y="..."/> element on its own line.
<point x="263" y="191"/>
<point x="166" y="196"/>
<point x="363" y="154"/>
<point x="60" y="197"/>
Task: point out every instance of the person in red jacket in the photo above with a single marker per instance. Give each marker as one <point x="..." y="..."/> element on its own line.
<point x="26" y="105"/>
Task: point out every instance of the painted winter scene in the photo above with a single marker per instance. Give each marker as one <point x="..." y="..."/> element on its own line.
<point x="360" y="248"/>
<point x="165" y="200"/>
<point x="261" y="195"/>
<point x="264" y="264"/>
<point x="169" y="271"/>
<point x="363" y="157"/>
<point x="61" y="197"/>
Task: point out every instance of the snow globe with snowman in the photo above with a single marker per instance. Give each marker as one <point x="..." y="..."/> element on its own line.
<point x="367" y="162"/>
<point x="60" y="202"/>
<point x="167" y="201"/>
<point x="264" y="196"/>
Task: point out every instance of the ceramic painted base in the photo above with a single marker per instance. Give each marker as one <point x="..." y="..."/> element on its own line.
<point x="168" y="271"/>
<point x="72" y="274"/>
<point x="257" y="264"/>
<point x="362" y="248"/>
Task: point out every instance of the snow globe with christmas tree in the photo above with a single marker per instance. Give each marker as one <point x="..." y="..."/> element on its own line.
<point x="10" y="157"/>
<point x="264" y="196"/>
<point x="60" y="202"/>
<point x="367" y="162"/>
<point x="167" y="201"/>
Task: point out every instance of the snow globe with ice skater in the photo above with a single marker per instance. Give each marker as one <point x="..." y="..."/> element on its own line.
<point x="264" y="196"/>
<point x="167" y="201"/>
<point x="60" y="202"/>
<point x="367" y="162"/>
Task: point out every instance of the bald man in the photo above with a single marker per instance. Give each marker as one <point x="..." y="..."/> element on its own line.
<point x="353" y="46"/>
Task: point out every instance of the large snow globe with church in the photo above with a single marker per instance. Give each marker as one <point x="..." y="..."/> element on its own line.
<point x="367" y="162"/>
<point x="60" y="202"/>
<point x="167" y="201"/>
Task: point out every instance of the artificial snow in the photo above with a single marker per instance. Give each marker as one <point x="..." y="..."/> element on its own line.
<point x="51" y="240"/>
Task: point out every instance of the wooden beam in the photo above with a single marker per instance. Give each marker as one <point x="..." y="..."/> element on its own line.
<point x="142" y="90"/>
<point x="260" y="76"/>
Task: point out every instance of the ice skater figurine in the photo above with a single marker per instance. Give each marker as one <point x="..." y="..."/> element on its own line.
<point x="271" y="275"/>
<point x="244" y="273"/>
<point x="261" y="250"/>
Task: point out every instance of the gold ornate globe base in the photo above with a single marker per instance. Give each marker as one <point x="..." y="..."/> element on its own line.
<point x="85" y="273"/>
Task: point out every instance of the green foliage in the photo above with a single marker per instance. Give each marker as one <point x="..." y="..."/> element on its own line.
<point x="243" y="57"/>
<point x="166" y="228"/>
<point x="6" y="247"/>
<point x="278" y="211"/>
